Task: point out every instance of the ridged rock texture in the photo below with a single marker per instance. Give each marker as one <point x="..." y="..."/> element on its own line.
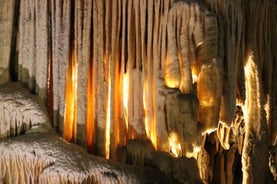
<point x="46" y="158"/>
<point x="21" y="111"/>
<point x="110" y="71"/>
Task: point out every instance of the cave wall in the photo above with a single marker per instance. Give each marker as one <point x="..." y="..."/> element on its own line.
<point x="189" y="65"/>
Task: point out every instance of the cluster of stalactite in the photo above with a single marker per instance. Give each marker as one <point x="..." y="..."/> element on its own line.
<point x="111" y="71"/>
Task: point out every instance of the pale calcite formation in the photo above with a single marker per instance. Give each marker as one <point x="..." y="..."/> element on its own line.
<point x="6" y="38"/>
<point x="109" y="72"/>
<point x="255" y="151"/>
<point x="192" y="52"/>
<point x="47" y="158"/>
<point x="21" y="111"/>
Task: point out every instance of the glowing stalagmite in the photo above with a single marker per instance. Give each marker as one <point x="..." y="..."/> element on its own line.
<point x="125" y="93"/>
<point x="255" y="122"/>
<point x="174" y="144"/>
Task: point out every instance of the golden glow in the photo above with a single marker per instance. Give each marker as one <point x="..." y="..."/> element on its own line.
<point x="195" y="152"/>
<point x="108" y="120"/>
<point x="248" y="72"/>
<point x="125" y="97"/>
<point x="172" y="76"/>
<point x="70" y="125"/>
<point x="196" y="149"/>
<point x="209" y="131"/>
<point x="153" y="135"/>
<point x="267" y="108"/>
<point x="171" y="82"/>
<point x="174" y="145"/>
<point x="194" y="78"/>
<point x="146" y="122"/>
<point x="149" y="123"/>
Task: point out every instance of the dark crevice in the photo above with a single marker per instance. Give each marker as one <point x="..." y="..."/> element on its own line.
<point x="13" y="69"/>
<point x="50" y="94"/>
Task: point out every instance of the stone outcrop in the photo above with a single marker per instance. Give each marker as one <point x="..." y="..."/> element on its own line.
<point x="21" y="111"/>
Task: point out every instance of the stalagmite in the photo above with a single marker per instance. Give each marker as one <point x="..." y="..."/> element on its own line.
<point x="254" y="152"/>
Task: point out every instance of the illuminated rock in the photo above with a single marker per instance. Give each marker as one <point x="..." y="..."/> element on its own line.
<point x="255" y="151"/>
<point x="209" y="90"/>
<point x="181" y="118"/>
<point x="192" y="36"/>
<point x="75" y="55"/>
<point x="223" y="134"/>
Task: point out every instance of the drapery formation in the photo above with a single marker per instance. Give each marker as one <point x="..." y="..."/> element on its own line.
<point x="110" y="71"/>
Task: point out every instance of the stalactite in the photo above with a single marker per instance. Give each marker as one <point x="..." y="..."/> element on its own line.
<point x="202" y="71"/>
<point x="33" y="46"/>
<point x="60" y="19"/>
<point x="99" y="81"/>
<point x="209" y="93"/>
<point x="6" y="34"/>
<point x="231" y="51"/>
<point x="83" y="22"/>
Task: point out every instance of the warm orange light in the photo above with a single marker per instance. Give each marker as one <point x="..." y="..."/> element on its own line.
<point x="267" y="108"/>
<point x="194" y="154"/>
<point x="125" y="97"/>
<point x="172" y="83"/>
<point x="153" y="135"/>
<point x="108" y="120"/>
<point x="174" y="145"/>
<point x="249" y="74"/>
<point x="146" y="122"/>
<point x="209" y="131"/>
<point x="149" y="119"/>
<point x="194" y="78"/>
<point x="70" y="125"/>
<point x="172" y="76"/>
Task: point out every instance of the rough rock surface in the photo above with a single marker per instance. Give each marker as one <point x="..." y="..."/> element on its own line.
<point x="47" y="158"/>
<point x="106" y="69"/>
<point x="182" y="169"/>
<point x="21" y="111"/>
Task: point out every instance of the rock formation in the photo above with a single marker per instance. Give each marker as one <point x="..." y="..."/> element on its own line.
<point x="113" y="71"/>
